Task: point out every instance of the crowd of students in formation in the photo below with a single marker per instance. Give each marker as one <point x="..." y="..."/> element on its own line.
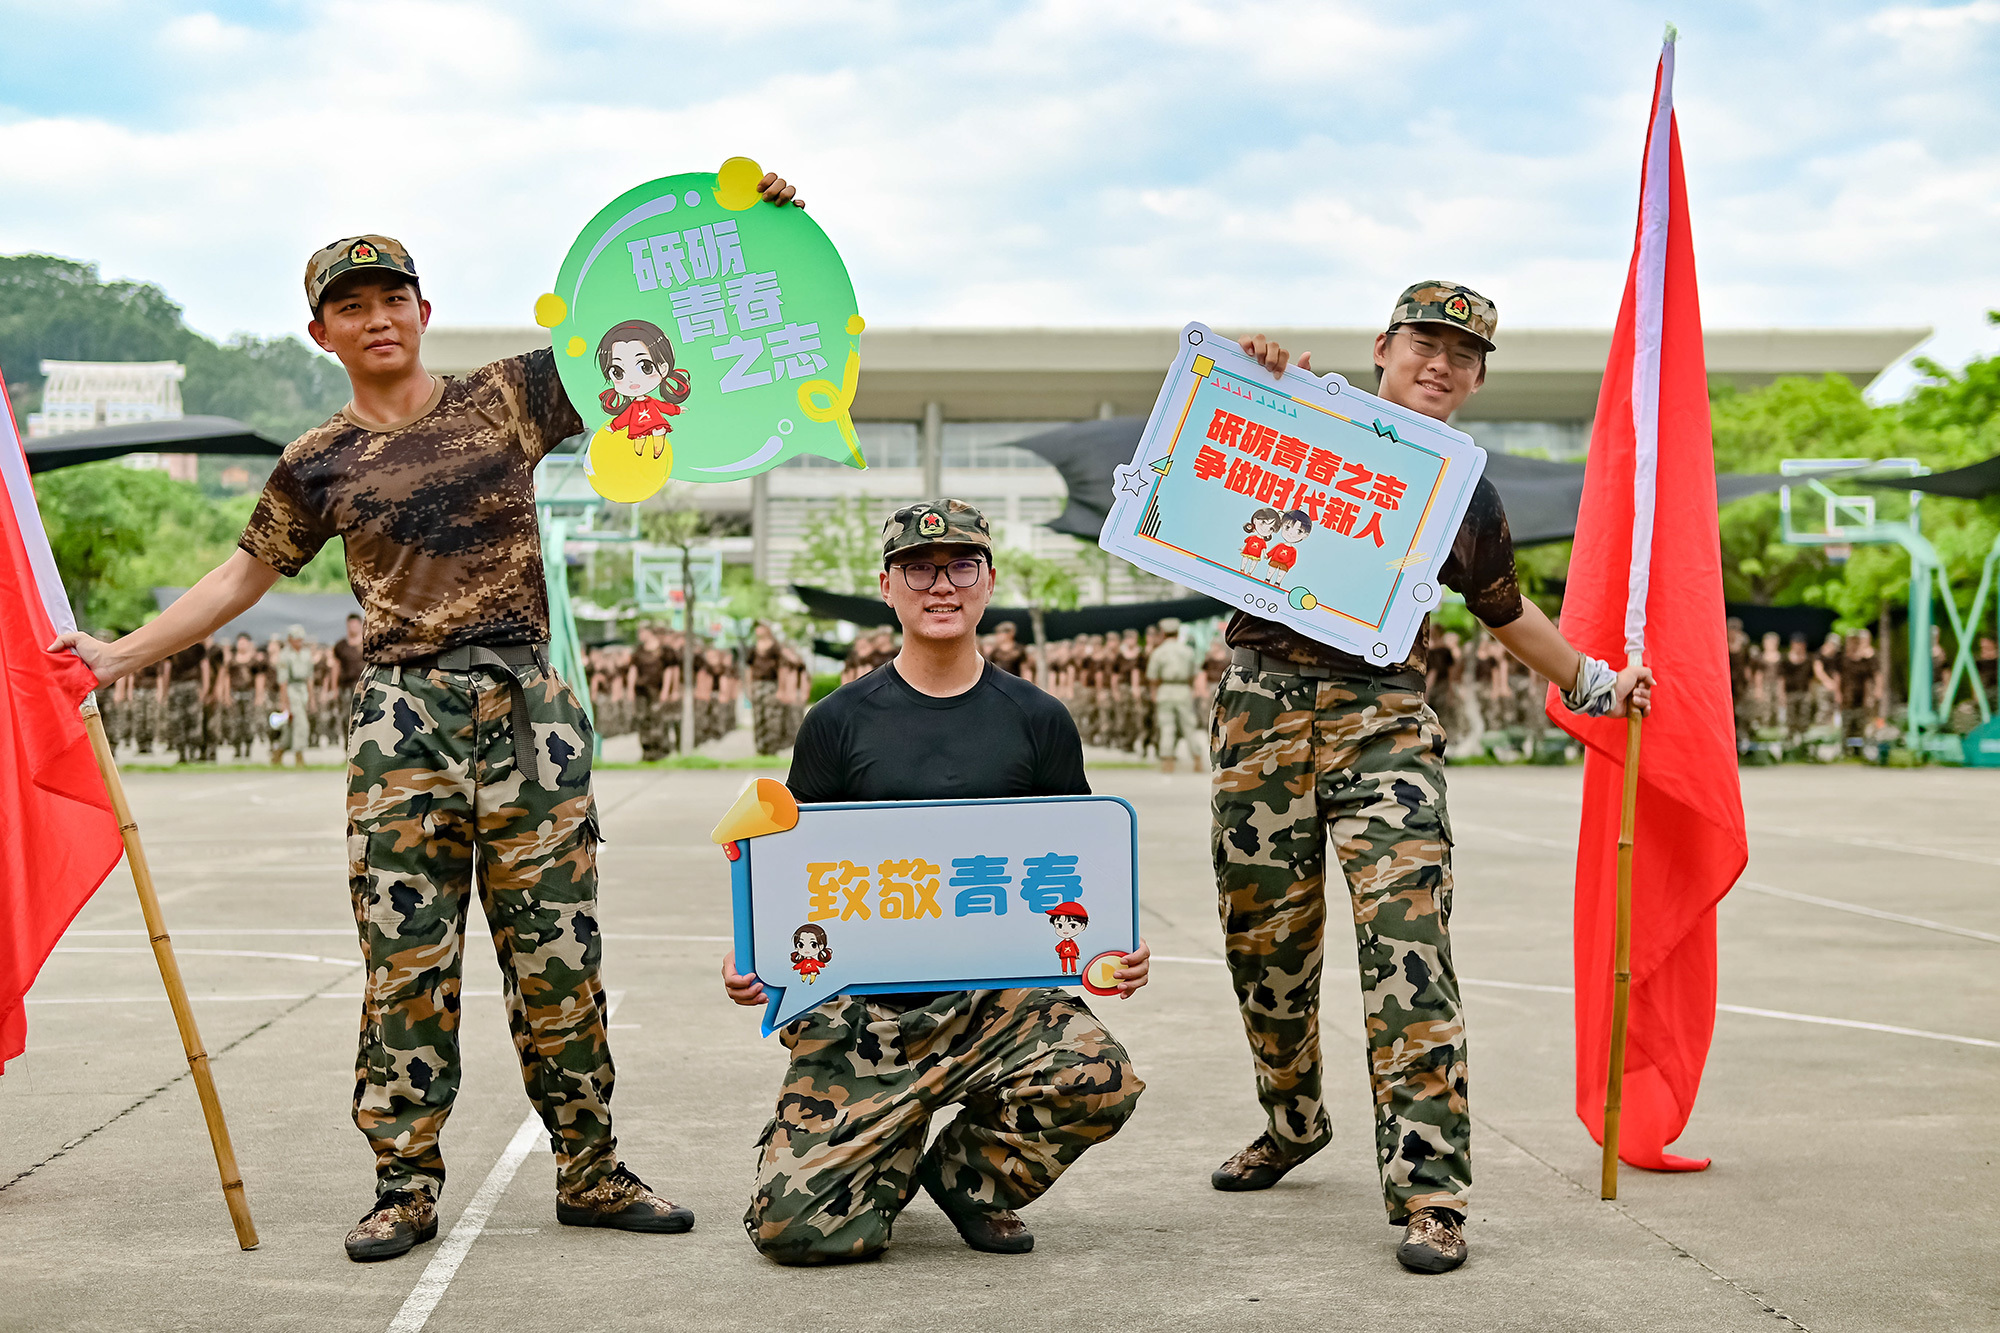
<point x="1794" y="701"/>
<point x="637" y="688"/>
<point x="214" y="699"/>
<point x="1489" y="703"/>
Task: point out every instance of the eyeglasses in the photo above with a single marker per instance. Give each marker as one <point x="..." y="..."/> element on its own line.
<point x="921" y="574"/>
<point x="1427" y="347"/>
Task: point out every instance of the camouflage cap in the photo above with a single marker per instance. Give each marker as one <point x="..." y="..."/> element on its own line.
<point x="1451" y="303"/>
<point x="1171" y="625"/>
<point x="934" y="522"/>
<point x="342" y="257"/>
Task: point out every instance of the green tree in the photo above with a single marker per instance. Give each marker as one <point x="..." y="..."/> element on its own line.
<point x="59" y="309"/>
<point x="842" y="549"/>
<point x="117" y="533"/>
<point x="675" y="521"/>
<point x="1044" y="585"/>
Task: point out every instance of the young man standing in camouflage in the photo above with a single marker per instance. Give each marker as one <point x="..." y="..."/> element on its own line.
<point x="1311" y="744"/>
<point x="465" y="747"/>
<point x="1037" y="1078"/>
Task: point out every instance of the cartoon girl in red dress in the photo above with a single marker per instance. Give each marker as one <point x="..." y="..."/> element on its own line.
<point x="809" y="953"/>
<point x="1261" y="526"/>
<point x="638" y="362"/>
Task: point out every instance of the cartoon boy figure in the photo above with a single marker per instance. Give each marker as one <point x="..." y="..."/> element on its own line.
<point x="1285" y="554"/>
<point x="637" y="362"/>
<point x="1260" y="527"/>
<point x="1070" y="921"/>
<point x="810" y="953"/>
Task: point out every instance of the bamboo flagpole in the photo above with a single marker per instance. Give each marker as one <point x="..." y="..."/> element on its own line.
<point x="1621" y="967"/>
<point x="170" y="973"/>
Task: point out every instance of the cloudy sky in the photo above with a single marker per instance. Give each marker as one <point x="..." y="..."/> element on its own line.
<point x="1114" y="162"/>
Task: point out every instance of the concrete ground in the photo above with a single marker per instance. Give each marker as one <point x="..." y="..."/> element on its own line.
<point x="1849" y="1103"/>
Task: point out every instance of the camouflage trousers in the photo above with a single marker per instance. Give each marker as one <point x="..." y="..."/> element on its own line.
<point x="184" y="719"/>
<point x="767" y="716"/>
<point x="654" y="721"/>
<point x="433" y="793"/>
<point x="1037" y="1079"/>
<point x="1356" y="761"/>
<point x="1174" y="723"/>
<point x="243" y="722"/>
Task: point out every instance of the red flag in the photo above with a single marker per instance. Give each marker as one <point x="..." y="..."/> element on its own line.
<point x="58" y="837"/>
<point x="1651" y="439"/>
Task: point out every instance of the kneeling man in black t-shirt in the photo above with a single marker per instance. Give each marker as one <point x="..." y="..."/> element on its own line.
<point x="1036" y="1077"/>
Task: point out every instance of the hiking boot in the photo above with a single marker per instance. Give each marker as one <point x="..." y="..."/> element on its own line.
<point x="1259" y="1166"/>
<point x="999" y="1231"/>
<point x="622" y="1201"/>
<point x="1433" y="1242"/>
<point x="399" y="1222"/>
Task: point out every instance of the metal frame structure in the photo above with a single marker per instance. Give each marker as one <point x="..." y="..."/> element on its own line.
<point x="1850" y="520"/>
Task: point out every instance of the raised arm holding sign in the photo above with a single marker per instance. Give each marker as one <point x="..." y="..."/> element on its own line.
<point x="467" y="750"/>
<point x="1355" y="517"/>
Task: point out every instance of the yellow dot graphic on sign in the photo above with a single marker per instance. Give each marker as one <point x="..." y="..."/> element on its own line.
<point x="576" y="346"/>
<point x="736" y="184"/>
<point x="855" y="324"/>
<point x="550" y="310"/>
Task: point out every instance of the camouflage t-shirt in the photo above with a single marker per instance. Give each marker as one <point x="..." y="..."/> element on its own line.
<point x="1480" y="568"/>
<point x="437" y="512"/>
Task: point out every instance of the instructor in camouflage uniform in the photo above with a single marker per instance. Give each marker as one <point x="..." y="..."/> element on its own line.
<point x="1311" y="744"/>
<point x="1172" y="668"/>
<point x="465" y="749"/>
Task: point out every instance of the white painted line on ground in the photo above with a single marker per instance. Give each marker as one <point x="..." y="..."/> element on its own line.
<point x="214" y="953"/>
<point x="430" y="1288"/>
<point x="234" y="999"/>
<point x="1835" y="904"/>
<point x="1724" y="1008"/>
<point x="300" y="930"/>
<point x="1517" y="985"/>
<point x="1859" y="910"/>
<point x="1852" y="1023"/>
<point x="349" y="933"/>
<point x="687" y="939"/>
<point x="1879" y="844"/>
<point x="437" y="1276"/>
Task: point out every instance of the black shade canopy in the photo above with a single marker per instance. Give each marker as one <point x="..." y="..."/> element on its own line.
<point x="184" y="435"/>
<point x="1541" y="497"/>
<point x="873" y="611"/>
<point x="1972" y="482"/>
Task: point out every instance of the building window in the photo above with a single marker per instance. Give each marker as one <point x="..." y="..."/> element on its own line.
<point x="990" y="444"/>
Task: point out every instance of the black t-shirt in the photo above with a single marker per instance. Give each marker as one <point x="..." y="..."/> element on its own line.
<point x="877" y="739"/>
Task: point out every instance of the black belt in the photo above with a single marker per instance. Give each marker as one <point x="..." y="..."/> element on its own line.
<point x="507" y="659"/>
<point x="1252" y="660"/>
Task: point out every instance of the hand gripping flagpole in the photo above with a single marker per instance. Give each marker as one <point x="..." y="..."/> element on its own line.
<point x="170" y="973"/>
<point x="1649" y="297"/>
<point x="1621" y="967"/>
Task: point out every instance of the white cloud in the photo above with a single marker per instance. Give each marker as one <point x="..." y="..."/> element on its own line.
<point x="1116" y="163"/>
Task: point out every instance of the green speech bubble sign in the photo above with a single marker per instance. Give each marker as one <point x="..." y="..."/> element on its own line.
<point x="704" y="335"/>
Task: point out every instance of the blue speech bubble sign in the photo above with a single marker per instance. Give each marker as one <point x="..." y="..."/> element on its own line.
<point x="884" y="897"/>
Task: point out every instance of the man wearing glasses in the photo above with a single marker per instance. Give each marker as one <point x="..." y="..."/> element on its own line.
<point x="1313" y="744"/>
<point x="1036" y="1076"/>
